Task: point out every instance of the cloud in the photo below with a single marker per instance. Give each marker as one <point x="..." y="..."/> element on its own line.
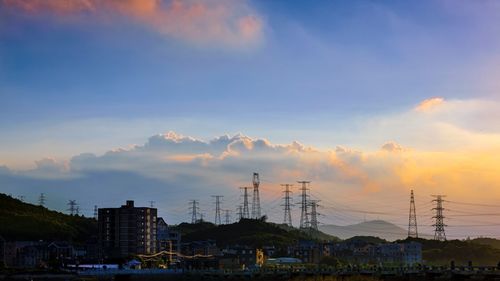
<point x="429" y="104"/>
<point x="171" y="169"/>
<point x="226" y="22"/>
<point x="392" y="147"/>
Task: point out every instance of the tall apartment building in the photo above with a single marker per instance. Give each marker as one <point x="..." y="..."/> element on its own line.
<point x="127" y="231"/>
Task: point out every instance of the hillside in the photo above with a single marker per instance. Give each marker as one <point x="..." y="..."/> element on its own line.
<point x="248" y="232"/>
<point x="495" y="243"/>
<point x="21" y="221"/>
<point x="375" y="228"/>
<point x="441" y="253"/>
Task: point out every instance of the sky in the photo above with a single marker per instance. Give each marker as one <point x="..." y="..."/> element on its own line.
<point x="169" y="100"/>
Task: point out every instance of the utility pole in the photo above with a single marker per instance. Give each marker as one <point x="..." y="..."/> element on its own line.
<point x="72" y="207"/>
<point x="439" y="233"/>
<point x="412" y="220"/>
<point x="304" y="218"/>
<point x="288" y="214"/>
<point x="77" y="211"/>
<point x="314" y="214"/>
<point x="217" y="208"/>
<point x="194" y="210"/>
<point x="246" y="213"/>
<point x="41" y="200"/>
<point x="227" y="216"/>
<point x="95" y="212"/>
<point x="256" y="198"/>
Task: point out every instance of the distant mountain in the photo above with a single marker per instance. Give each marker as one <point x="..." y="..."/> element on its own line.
<point x="375" y="228"/>
<point x="21" y="221"/>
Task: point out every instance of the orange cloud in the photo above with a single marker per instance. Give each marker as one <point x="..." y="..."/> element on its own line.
<point x="429" y="104"/>
<point x="229" y="23"/>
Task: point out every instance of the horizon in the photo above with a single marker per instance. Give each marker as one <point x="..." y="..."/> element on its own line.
<point x="171" y="101"/>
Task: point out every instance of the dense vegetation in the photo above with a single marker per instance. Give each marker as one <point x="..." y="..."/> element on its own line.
<point x="460" y="251"/>
<point x="21" y="221"/>
<point x="248" y="232"/>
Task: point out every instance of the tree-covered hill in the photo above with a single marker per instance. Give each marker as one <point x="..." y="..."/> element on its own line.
<point x="22" y="221"/>
<point x="249" y="232"/>
<point x="460" y="251"/>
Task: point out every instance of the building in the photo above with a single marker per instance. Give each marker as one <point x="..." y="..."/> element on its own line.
<point x="167" y="239"/>
<point x="127" y="231"/>
<point x="362" y="252"/>
<point x="307" y="251"/>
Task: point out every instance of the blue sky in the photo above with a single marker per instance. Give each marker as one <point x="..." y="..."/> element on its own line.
<point x="351" y="80"/>
<point x="330" y="59"/>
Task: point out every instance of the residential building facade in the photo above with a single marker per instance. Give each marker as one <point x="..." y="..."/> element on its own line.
<point x="127" y="231"/>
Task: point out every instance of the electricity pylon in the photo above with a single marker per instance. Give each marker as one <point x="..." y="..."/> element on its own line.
<point x="439" y="233"/>
<point x="256" y="197"/>
<point x="412" y="220"/>
<point x="288" y="214"/>
<point x="304" y="216"/>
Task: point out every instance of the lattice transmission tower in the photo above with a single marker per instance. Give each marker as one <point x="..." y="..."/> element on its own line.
<point x="304" y="215"/>
<point x="412" y="220"/>
<point x="96" y="212"/>
<point x="194" y="208"/>
<point x="256" y="198"/>
<point x="42" y="199"/>
<point x="246" y="212"/>
<point x="218" y="198"/>
<point x="72" y="207"/>
<point x="314" y="214"/>
<point x="439" y="233"/>
<point x="287" y="205"/>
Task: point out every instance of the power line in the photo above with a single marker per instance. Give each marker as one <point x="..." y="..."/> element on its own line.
<point x="256" y="198"/>
<point x="439" y="233"/>
<point x="288" y="214"/>
<point x="412" y="220"/>
<point x="472" y="204"/>
<point x="304" y="218"/>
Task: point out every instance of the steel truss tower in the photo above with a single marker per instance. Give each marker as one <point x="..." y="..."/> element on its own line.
<point x="314" y="214"/>
<point x="439" y="233"/>
<point x="95" y="212"/>
<point x="256" y="198"/>
<point x="246" y="212"/>
<point x="194" y="210"/>
<point x="412" y="220"/>
<point x="288" y="214"/>
<point x="227" y="216"/>
<point x="304" y="216"/>
<point x="72" y="207"/>
<point x="218" y="198"/>
<point x="41" y="200"/>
